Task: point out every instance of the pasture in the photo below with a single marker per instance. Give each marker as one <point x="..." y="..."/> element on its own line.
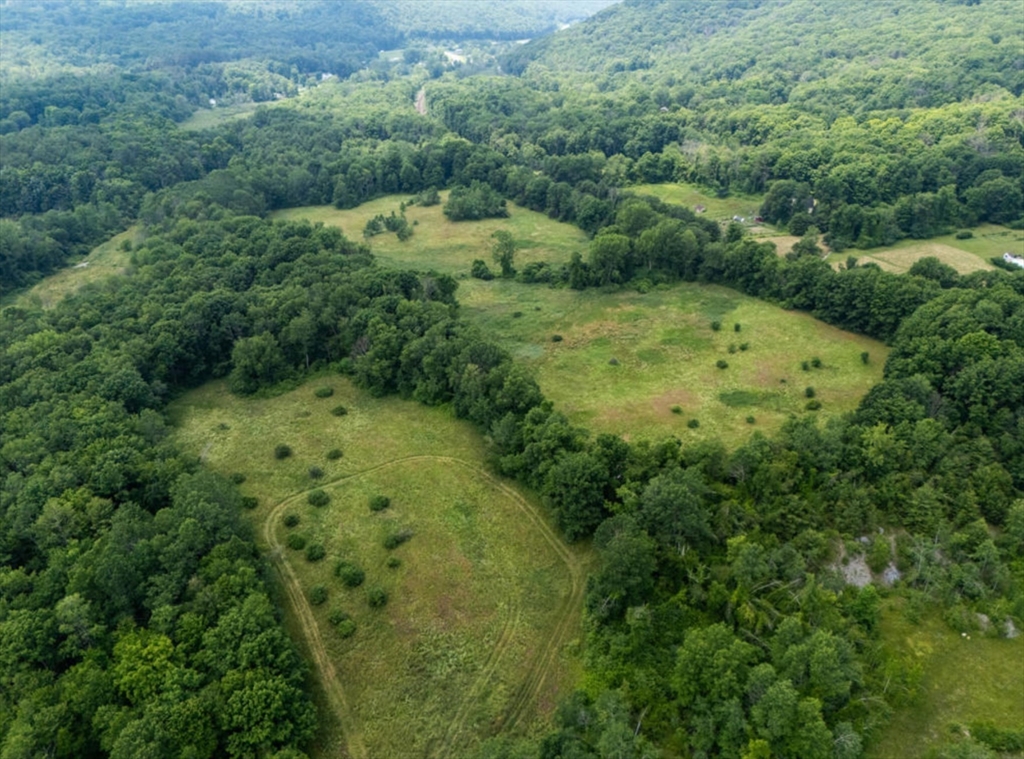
<point x="483" y="599"/>
<point x="691" y="196"/>
<point x="963" y="679"/>
<point x="966" y="256"/>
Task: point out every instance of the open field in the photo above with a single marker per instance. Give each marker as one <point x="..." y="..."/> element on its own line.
<point x="446" y="246"/>
<point x="207" y="118"/>
<point x="662" y="342"/>
<point x="744" y="206"/>
<point x="665" y="354"/>
<point x="963" y="680"/>
<point x="483" y="606"/>
<point x="103" y="261"/>
<point x="966" y="256"/>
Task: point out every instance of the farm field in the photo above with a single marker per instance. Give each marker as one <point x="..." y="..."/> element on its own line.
<point x="662" y="344"/>
<point x="688" y="195"/>
<point x="207" y="118"/>
<point x="966" y="256"/>
<point x="473" y="639"/>
<point x="993" y="691"/>
<point x="104" y="260"/>
<point x="445" y="246"/>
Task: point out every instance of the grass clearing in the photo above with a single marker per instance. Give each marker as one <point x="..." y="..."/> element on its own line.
<point x="472" y="639"/>
<point x="963" y="680"/>
<point x="966" y="256"/>
<point x="105" y="260"/>
<point x="665" y="353"/>
<point x="691" y="196"/>
<point x="662" y="341"/>
<point x="446" y="246"/>
<point x="208" y="118"/>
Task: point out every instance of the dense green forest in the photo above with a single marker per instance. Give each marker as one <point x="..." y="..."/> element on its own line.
<point x="137" y="616"/>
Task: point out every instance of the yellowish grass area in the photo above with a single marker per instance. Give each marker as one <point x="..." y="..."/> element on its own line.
<point x="964" y="679"/>
<point x="901" y="259"/>
<point x="477" y="635"/>
<point x="207" y="118"/>
<point x="447" y="246"/>
<point x="105" y="260"/>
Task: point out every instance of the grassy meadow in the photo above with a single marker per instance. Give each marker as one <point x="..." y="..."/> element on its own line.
<point x="446" y="246"/>
<point x="483" y="601"/>
<point x="207" y="118"/>
<point x="963" y="679"/>
<point x="966" y="256"/>
<point x="690" y="196"/>
<point x="632" y="364"/>
<point x="644" y="365"/>
<point x="105" y="260"/>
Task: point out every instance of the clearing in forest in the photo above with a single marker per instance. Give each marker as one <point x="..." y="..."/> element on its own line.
<point x="646" y="365"/>
<point x="483" y="600"/>
<point x="690" y="196"/>
<point x="960" y="679"/>
<point x="105" y="260"/>
<point x="639" y="365"/>
<point x="446" y="246"/>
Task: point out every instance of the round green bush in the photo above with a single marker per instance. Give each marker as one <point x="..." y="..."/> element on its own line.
<point x="351" y="576"/>
<point x="315" y="552"/>
<point x="250" y="502"/>
<point x="282" y="451"/>
<point x="291" y="520"/>
<point x="732" y="348"/>
<point x="722" y="363"/>
<point x="693" y="424"/>
<point x="318" y="595"/>
<point x="318" y="498"/>
<point x="805" y="365"/>
<point x="346" y="628"/>
<point x="379" y="503"/>
<point x="964" y="234"/>
<point x="376" y="597"/>
<point x="816" y="362"/>
<point x="736" y="327"/>
<point x="751" y="420"/>
<point x="813" y="405"/>
<point x="744" y="346"/>
<point x="677" y="409"/>
<point x="334" y="454"/>
<point x="324" y="392"/>
<point x="337" y="616"/>
<point x="556" y="338"/>
<point x="339" y="411"/>
<point x="517" y="314"/>
<point x="238" y="478"/>
<point x="865" y="357"/>
<point x="296" y="542"/>
<point x="315" y="473"/>
<point x="809" y="392"/>
<point x="394" y="562"/>
<point x="716" y="325"/>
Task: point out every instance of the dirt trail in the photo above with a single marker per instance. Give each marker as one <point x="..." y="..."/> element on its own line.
<point x="421" y="101"/>
<point x="543" y="659"/>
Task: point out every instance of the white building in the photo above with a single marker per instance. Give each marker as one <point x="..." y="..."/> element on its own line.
<point x="1012" y="259"/>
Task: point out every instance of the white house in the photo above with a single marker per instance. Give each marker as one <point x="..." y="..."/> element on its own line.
<point x="1012" y="259"/>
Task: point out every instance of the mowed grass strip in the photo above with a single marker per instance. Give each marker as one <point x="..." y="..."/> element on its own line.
<point x="963" y="679"/>
<point x="446" y="246"/>
<point x="477" y="590"/>
<point x="105" y="260"/>
<point x="626" y="360"/>
<point x="972" y="254"/>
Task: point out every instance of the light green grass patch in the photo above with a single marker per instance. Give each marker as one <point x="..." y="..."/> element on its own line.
<point x="207" y="118"/>
<point x="963" y="680"/>
<point x="691" y="196"/>
<point x="475" y="635"/>
<point x="966" y="256"/>
<point x="446" y="246"/>
<point x="664" y="353"/>
<point x="105" y="260"/>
